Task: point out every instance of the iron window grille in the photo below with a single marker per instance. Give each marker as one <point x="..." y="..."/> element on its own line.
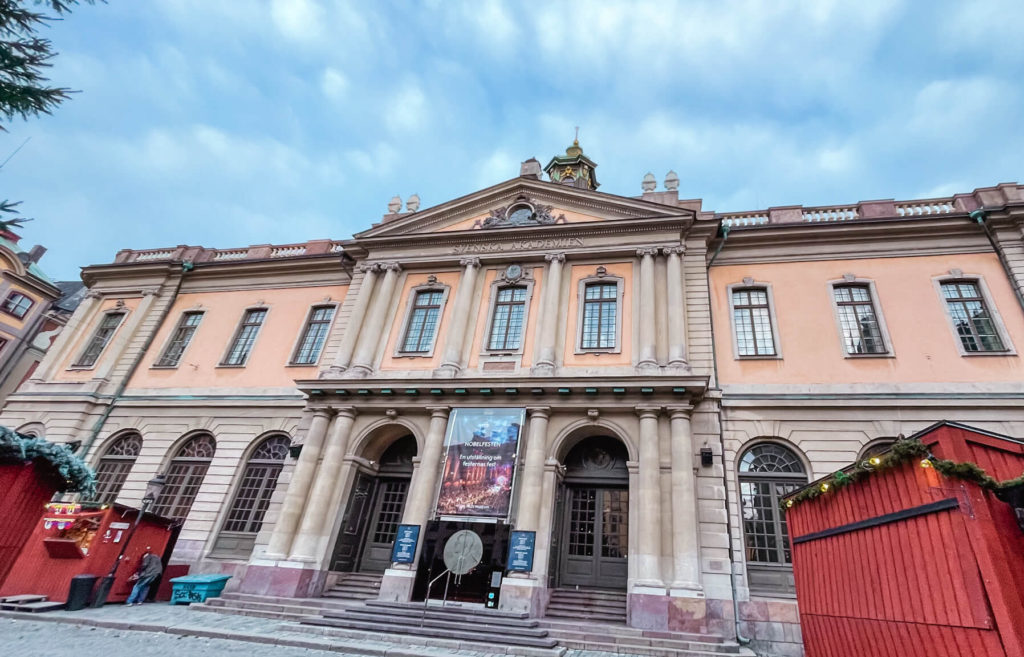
<point x="971" y="317"/>
<point x="422" y="325"/>
<point x="185" y="475"/>
<point x="245" y="337"/>
<point x="768" y="472"/>
<point x="100" y="339"/>
<point x="858" y="320"/>
<point x="313" y="335"/>
<point x="259" y="480"/>
<point x="752" y="319"/>
<point x="16" y="304"/>
<point x="114" y="466"/>
<point x="186" y="328"/>
<point x="507" y="322"/>
<point x="600" y="310"/>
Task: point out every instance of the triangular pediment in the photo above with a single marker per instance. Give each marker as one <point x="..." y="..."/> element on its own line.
<point x="519" y="203"/>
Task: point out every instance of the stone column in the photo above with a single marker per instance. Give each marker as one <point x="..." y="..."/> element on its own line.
<point x="550" y="311"/>
<point x="366" y="348"/>
<point x="125" y="333"/>
<point x="451" y="359"/>
<point x="315" y="523"/>
<point x="82" y="316"/>
<point x="355" y="319"/>
<point x="685" y="550"/>
<point x="421" y="495"/>
<point x="533" y="470"/>
<point x="676" y="307"/>
<point x="648" y="570"/>
<point x="298" y="488"/>
<point x="648" y="353"/>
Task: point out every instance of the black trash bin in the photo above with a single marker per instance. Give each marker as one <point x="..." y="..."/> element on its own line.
<point x="80" y="592"/>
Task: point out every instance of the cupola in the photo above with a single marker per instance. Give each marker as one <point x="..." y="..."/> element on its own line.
<point x="574" y="168"/>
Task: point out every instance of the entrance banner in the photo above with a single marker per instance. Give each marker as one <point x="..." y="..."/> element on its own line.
<point x="481" y="447"/>
<point x="404" y="549"/>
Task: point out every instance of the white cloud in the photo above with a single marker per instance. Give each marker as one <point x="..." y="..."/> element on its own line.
<point x="406" y="109"/>
<point x="496" y="167"/>
<point x="301" y="21"/>
<point x="334" y="84"/>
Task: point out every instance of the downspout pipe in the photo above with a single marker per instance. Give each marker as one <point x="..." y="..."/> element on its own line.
<point x="981" y="218"/>
<point x="186" y="266"/>
<point x="740" y="639"/>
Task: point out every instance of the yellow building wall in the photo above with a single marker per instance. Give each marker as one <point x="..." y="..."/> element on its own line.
<point x="393" y="362"/>
<point x="922" y="341"/>
<point x="14" y="322"/>
<point x="622" y="270"/>
<point x="85" y="334"/>
<point x="482" y="323"/>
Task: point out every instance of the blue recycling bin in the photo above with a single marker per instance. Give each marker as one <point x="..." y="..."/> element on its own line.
<point x="197" y="588"/>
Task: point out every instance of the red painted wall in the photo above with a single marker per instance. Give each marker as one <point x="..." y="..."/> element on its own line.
<point x="946" y="583"/>
<point x="25" y="492"/>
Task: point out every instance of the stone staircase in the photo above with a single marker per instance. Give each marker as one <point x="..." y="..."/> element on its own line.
<point x="467" y="628"/>
<point x="355" y="586"/>
<point x="265" y="606"/>
<point x="587" y="604"/>
<point x="29" y="602"/>
<point x="624" y="640"/>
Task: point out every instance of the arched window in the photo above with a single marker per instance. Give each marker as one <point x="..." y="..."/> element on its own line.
<point x="258" y="482"/>
<point x="768" y="472"/>
<point x="876" y="447"/>
<point x="114" y="466"/>
<point x="184" y="476"/>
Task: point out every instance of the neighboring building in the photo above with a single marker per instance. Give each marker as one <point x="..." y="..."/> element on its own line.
<point x="33" y="310"/>
<point x="644" y="466"/>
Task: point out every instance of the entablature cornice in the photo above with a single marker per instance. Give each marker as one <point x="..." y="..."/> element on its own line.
<point x="37" y="285"/>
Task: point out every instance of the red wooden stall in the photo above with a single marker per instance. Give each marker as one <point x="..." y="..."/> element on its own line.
<point x="69" y="540"/>
<point x="906" y="562"/>
<point x="25" y="490"/>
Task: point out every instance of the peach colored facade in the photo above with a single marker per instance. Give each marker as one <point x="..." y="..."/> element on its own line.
<point x="618" y="336"/>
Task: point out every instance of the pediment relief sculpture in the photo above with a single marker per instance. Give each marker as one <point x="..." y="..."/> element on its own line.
<point x="523" y="211"/>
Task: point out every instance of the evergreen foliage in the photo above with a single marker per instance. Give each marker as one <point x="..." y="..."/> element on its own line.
<point x="77" y="477"/>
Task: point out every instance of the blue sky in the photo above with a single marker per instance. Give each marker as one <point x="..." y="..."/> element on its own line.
<point x="230" y="123"/>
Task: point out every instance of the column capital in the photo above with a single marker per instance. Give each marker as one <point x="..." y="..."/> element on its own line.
<point x="366" y="267"/>
<point x="438" y="411"/>
<point x="322" y="412"/>
<point x="151" y="292"/>
<point x="647" y="251"/>
<point x="555" y="257"/>
<point x="469" y="262"/>
<point x="93" y="295"/>
<point x="647" y="410"/>
<point x="390" y="266"/>
<point x="674" y="250"/>
<point x="538" y="411"/>
<point x="679" y="410"/>
<point x="346" y="411"/>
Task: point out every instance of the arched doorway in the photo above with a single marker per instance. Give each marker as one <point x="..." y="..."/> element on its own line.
<point x="374" y="511"/>
<point x="593" y="541"/>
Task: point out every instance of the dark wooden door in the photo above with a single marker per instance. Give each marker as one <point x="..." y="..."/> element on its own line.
<point x="354" y="523"/>
<point x="594" y="537"/>
<point x="388" y="505"/>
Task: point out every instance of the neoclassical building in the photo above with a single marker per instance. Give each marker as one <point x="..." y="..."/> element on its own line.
<point x="634" y="380"/>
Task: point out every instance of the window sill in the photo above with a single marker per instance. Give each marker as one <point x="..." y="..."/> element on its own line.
<point x="17" y="317"/>
<point x="597" y="352"/>
<point x="971" y="354"/>
<point x="303" y="364"/>
<point x="163" y="367"/>
<point x="81" y="368"/>
<point x="229" y="367"/>
<point x="776" y="357"/>
<point x="859" y="356"/>
<point x="413" y="354"/>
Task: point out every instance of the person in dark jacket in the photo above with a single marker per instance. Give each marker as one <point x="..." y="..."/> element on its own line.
<point x="149" y="569"/>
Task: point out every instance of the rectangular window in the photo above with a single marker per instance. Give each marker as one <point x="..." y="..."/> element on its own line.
<point x="752" y="320"/>
<point x="314" y="335"/>
<point x="971" y="317"/>
<point x="426" y="311"/>
<point x="507" y="323"/>
<point x="857" y="320"/>
<point x="241" y="346"/>
<point x="600" y="309"/>
<point x="179" y="341"/>
<point x="16" y="304"/>
<point x="98" y="342"/>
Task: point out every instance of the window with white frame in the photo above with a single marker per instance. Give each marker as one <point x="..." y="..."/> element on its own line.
<point x="752" y="322"/>
<point x="507" y="319"/>
<point x="421" y="326"/>
<point x="313" y="335"/>
<point x="16" y="304"/>
<point x="972" y="319"/>
<point x="600" y="315"/>
<point x="99" y="340"/>
<point x="858" y="321"/>
<point x="245" y="337"/>
<point x="180" y="340"/>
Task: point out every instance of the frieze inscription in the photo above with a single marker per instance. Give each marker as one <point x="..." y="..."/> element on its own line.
<point x="519" y="245"/>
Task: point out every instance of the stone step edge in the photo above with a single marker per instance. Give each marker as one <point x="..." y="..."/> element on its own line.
<point x="556" y="625"/>
<point x="469" y="611"/>
<point x="415" y="630"/>
<point x="435" y="642"/>
<point x="312" y="603"/>
<point x="437" y="613"/>
<point x="656" y="644"/>
<point x="397" y="650"/>
<point x="613" y="649"/>
<point x="263" y="606"/>
<point x="445" y="623"/>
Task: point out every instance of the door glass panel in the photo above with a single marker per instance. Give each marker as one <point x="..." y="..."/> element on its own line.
<point x="615" y="523"/>
<point x="391" y="505"/>
<point x="582" y="514"/>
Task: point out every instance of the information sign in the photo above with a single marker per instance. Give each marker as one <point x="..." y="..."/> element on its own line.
<point x="520" y="551"/>
<point x="404" y="549"/>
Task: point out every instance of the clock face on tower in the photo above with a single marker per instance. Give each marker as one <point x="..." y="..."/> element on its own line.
<point x="521" y="216"/>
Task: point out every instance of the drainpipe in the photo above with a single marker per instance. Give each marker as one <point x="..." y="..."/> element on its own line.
<point x="186" y="266"/>
<point x="740" y="639"/>
<point x="981" y="217"/>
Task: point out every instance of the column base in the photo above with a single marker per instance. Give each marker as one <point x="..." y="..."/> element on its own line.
<point x="447" y="371"/>
<point x="396" y="585"/>
<point x="686" y="590"/>
<point x="283" y="578"/>
<point x="332" y="372"/>
<point x="523" y="595"/>
<point x="666" y="613"/>
<point x="358" y="372"/>
<point x="543" y="369"/>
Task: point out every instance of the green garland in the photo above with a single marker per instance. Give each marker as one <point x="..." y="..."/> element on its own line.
<point x="902" y="451"/>
<point x="77" y="477"/>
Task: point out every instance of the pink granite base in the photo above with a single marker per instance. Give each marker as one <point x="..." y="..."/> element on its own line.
<point x="663" y="613"/>
<point x="284" y="582"/>
<point x="519" y="597"/>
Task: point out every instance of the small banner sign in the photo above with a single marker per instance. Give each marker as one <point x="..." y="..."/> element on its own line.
<point x="404" y="549"/>
<point x="520" y="551"/>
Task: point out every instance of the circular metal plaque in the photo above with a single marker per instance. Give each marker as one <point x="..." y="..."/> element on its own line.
<point x="463" y="551"/>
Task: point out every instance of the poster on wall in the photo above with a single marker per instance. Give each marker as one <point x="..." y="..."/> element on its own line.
<point x="480" y="461"/>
